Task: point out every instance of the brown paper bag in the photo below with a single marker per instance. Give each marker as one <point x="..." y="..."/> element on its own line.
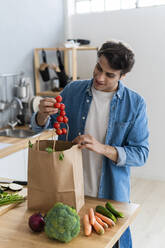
<point x="51" y="180"/>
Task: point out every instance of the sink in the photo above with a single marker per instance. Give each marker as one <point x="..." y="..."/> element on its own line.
<point x="17" y="133"/>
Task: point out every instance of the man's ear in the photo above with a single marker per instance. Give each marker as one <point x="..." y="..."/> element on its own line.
<point x="122" y="76"/>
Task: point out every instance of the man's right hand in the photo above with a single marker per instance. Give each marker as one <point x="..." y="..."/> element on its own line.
<point x="46" y="108"/>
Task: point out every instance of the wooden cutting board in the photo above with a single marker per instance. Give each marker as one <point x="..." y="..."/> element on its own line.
<point x="6" y="208"/>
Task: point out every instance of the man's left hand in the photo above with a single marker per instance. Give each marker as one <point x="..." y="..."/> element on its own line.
<point x="89" y="142"/>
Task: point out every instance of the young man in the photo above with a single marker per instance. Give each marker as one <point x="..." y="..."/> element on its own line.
<point x="109" y="123"/>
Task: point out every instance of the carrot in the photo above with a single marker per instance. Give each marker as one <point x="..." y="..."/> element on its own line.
<point x="105" y="219"/>
<point x="98" y="228"/>
<point x="87" y="225"/>
<point x="105" y="225"/>
<point x="91" y="216"/>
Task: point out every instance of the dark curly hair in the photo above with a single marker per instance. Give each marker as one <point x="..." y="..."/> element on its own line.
<point x="118" y="55"/>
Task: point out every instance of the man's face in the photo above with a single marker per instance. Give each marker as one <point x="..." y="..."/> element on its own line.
<point x="105" y="78"/>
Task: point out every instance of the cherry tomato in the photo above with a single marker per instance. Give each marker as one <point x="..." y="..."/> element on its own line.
<point x="59" y="131"/>
<point x="57" y="105"/>
<point x="62" y="113"/>
<point x="65" y="119"/>
<point x="64" y="131"/>
<point x="62" y="107"/>
<point x="56" y="125"/>
<point x="58" y="98"/>
<point x="60" y="118"/>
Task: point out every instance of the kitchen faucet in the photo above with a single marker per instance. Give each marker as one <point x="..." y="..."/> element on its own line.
<point x="13" y="123"/>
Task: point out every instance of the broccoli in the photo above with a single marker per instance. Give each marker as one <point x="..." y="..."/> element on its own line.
<point x="62" y="223"/>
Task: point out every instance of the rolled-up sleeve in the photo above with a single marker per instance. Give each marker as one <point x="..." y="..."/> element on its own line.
<point x="121" y="156"/>
<point x="37" y="128"/>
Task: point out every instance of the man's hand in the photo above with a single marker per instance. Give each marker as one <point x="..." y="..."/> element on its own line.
<point x="89" y="142"/>
<point x="46" y="108"/>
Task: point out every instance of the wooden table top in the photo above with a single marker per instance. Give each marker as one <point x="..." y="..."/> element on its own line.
<point x="15" y="233"/>
<point x="20" y="143"/>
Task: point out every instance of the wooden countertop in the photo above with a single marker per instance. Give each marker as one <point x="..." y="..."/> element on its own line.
<point x="20" y="143"/>
<point x="14" y="231"/>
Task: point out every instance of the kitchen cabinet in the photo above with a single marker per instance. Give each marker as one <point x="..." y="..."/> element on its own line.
<point x="73" y="50"/>
<point x="15" y="165"/>
<point x="14" y="158"/>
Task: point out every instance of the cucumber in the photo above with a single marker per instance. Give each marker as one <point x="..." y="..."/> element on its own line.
<point x="104" y="211"/>
<point x="114" y="211"/>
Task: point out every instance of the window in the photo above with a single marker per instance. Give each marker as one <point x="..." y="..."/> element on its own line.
<point x="145" y="3"/>
<point x="86" y="6"/>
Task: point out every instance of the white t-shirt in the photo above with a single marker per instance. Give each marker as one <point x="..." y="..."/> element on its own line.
<point x="96" y="126"/>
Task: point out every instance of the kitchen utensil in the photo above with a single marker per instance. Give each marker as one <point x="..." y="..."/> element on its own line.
<point x="21" y="91"/>
<point x="63" y="78"/>
<point x="44" y="67"/>
<point x="35" y="102"/>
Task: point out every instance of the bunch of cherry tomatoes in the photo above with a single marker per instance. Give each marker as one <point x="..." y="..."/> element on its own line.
<point x="61" y="118"/>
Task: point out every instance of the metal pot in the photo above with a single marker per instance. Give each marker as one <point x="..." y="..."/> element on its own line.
<point x="21" y="91"/>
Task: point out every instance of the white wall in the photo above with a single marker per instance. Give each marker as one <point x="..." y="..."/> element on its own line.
<point x="25" y="25"/>
<point x="144" y="30"/>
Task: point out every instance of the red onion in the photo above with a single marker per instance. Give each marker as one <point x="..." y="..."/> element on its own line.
<point x="36" y="222"/>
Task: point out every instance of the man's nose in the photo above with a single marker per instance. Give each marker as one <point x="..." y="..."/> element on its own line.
<point x="101" y="76"/>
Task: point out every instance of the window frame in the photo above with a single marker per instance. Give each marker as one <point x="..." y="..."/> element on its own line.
<point x="137" y="2"/>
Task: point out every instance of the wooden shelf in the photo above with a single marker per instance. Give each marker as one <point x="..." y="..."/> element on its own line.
<point x="48" y="93"/>
<point x="74" y="65"/>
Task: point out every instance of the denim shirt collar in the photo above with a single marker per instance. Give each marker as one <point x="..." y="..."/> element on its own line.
<point x="119" y="91"/>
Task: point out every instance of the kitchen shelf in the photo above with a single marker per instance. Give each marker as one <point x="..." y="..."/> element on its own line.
<point x="74" y="51"/>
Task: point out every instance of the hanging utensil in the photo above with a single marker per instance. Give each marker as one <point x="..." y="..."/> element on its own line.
<point x="44" y="67"/>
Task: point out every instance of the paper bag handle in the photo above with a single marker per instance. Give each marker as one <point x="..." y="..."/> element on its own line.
<point x="38" y="142"/>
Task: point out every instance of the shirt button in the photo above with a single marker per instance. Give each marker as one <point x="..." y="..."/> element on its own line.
<point x="79" y="133"/>
<point x="87" y="100"/>
<point x="83" y="117"/>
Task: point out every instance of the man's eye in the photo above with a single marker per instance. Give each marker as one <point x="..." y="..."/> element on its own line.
<point x="110" y="75"/>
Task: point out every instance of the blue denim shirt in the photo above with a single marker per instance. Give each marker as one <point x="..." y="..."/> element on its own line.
<point x="127" y="131"/>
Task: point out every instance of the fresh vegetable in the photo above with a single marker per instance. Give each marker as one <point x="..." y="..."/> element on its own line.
<point x="36" y="222"/>
<point x="49" y="149"/>
<point x="7" y="198"/>
<point x="62" y="113"/>
<point x="64" y="131"/>
<point x="30" y="144"/>
<point x="104" y="211"/>
<point x="87" y="225"/>
<point x="15" y="186"/>
<point x="91" y="216"/>
<point x="61" y="156"/>
<point x="56" y="125"/>
<point x="57" y="105"/>
<point x="60" y="118"/>
<point x="62" y="223"/>
<point x="65" y="119"/>
<point x="4" y="186"/>
<point x="105" y="219"/>
<point x="62" y="106"/>
<point x="98" y="228"/>
<point x="58" y="98"/>
<point x="1" y="190"/>
<point x="109" y="206"/>
<point x="104" y="225"/>
<point x="59" y="131"/>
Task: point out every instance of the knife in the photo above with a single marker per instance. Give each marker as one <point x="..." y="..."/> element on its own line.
<point x="13" y="181"/>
